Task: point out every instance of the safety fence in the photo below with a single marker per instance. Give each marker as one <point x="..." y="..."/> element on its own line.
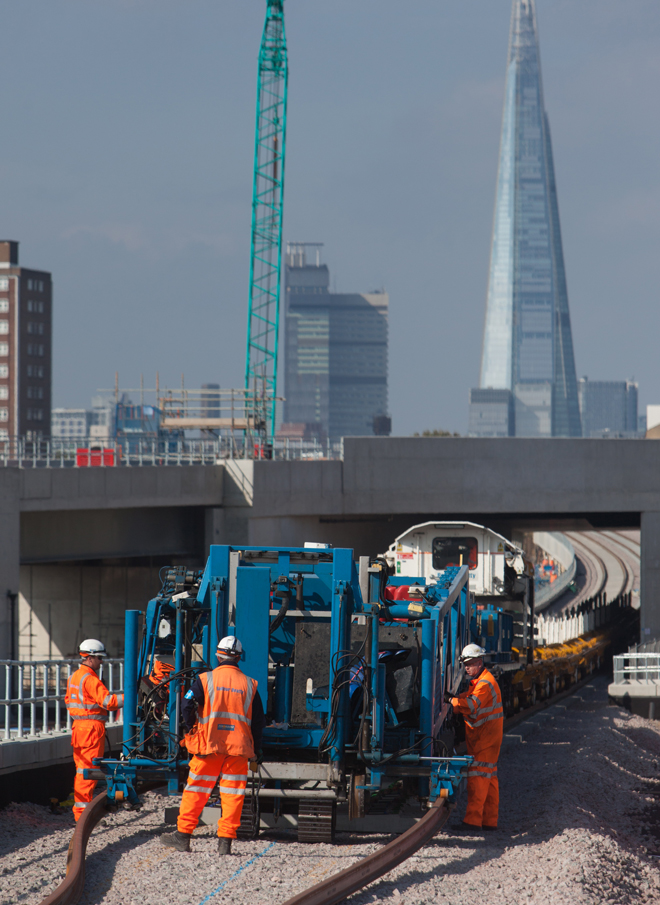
<point x="65" y="453"/>
<point x="638" y="668"/>
<point x="32" y="701"/>
<point x="587" y="616"/>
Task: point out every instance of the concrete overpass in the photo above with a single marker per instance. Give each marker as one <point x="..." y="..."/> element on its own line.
<point x="67" y="535"/>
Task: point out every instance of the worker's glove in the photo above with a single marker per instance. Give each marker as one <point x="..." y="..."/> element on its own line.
<point x="259" y="759"/>
<point x="448" y="697"/>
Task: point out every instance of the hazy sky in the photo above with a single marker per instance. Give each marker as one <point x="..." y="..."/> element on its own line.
<point x="126" y="170"/>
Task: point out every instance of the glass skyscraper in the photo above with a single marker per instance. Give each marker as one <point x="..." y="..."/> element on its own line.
<point x="528" y="348"/>
<point x="335" y="353"/>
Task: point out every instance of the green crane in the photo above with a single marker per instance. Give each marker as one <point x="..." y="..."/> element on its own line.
<point x="267" y="198"/>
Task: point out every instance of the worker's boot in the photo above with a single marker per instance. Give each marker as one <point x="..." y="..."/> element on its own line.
<point x="177" y="840"/>
<point x="224" y="845"/>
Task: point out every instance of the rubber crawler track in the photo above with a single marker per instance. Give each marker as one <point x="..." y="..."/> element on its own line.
<point x="70" y="889"/>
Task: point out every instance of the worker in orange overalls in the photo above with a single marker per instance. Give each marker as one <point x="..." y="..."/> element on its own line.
<point x="481" y="705"/>
<point x="225" y="718"/>
<point x="88" y="702"/>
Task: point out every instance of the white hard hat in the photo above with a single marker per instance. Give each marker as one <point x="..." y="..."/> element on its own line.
<point x="472" y="652"/>
<point x="230" y="646"/>
<point x="93" y="648"/>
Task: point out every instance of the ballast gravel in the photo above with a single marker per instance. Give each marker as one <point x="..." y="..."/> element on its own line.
<point x="580" y="801"/>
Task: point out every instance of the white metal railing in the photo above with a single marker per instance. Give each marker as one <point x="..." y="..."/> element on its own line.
<point x="641" y="668"/>
<point x="130" y="451"/>
<point x="32" y="702"/>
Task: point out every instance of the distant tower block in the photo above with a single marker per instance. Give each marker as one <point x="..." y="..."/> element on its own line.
<point x="26" y="298"/>
<point x="528" y="348"/>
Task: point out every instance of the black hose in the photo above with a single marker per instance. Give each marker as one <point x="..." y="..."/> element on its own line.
<point x="285" y="597"/>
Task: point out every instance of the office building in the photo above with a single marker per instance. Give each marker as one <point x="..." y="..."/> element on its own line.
<point x="528" y="347"/>
<point x="608" y="408"/>
<point x="25" y="347"/>
<point x="335" y="353"/>
<point x="492" y="413"/>
<point x="69" y="424"/>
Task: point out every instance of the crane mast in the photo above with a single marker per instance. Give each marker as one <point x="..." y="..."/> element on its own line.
<point x="267" y="198"/>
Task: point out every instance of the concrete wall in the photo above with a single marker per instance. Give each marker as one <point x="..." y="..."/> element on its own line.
<point x="62" y="604"/>
<point x="149" y="487"/>
<point x="104" y="533"/>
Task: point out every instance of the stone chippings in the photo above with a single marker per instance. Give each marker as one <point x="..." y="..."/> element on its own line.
<point x="579" y="824"/>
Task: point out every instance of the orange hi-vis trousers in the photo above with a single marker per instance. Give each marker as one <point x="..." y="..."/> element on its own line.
<point x="204" y="772"/>
<point x="88" y="741"/>
<point x="483" y="789"/>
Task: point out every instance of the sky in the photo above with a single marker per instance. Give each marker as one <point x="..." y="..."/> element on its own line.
<point x="126" y="170"/>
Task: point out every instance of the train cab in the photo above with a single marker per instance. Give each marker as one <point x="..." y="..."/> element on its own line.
<point x="495" y="563"/>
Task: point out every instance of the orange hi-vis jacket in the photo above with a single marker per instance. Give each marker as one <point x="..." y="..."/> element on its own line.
<point x="223" y="725"/>
<point x="481" y="705"/>
<point x="87" y="698"/>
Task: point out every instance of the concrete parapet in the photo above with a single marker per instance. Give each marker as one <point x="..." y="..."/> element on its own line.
<point x="44" y="751"/>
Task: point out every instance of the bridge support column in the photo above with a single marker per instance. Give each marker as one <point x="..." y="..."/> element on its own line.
<point x="650" y="576"/>
<point x="225" y="526"/>
<point x="10" y="545"/>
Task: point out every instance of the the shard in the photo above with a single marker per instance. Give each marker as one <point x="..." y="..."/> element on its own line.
<point x="528" y="348"/>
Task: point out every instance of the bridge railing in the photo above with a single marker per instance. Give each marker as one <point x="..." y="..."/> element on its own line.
<point x="637" y="668"/>
<point x="33" y="697"/>
<point x="131" y="452"/>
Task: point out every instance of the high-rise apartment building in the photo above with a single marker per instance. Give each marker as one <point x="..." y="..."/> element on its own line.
<point x="528" y="347"/>
<point x="25" y="347"/>
<point x="335" y="353"/>
<point x="608" y="408"/>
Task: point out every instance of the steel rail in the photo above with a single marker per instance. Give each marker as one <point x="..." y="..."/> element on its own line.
<point x="630" y="555"/>
<point x="339" y="886"/>
<point x="625" y="570"/>
<point x="595" y="569"/>
<point x="70" y="889"/>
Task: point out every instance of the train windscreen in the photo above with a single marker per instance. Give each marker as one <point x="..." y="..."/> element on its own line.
<point x="454" y="551"/>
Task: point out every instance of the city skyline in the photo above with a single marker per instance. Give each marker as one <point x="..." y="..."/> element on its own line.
<point x="392" y="166"/>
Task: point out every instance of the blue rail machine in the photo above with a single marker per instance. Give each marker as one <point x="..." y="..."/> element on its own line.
<point x="352" y="665"/>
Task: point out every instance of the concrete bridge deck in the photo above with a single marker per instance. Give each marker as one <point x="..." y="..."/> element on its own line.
<point x="142" y="516"/>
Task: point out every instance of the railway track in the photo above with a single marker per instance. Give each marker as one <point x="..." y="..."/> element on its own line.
<point x="610" y="564"/>
<point x="330" y="891"/>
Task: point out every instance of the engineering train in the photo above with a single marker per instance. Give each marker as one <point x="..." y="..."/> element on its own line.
<point x="501" y="580"/>
<point x="353" y="658"/>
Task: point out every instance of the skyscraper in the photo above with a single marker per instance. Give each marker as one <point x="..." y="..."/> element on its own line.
<point x="25" y="347"/>
<point x="528" y="347"/>
<point x="608" y="407"/>
<point x="335" y="351"/>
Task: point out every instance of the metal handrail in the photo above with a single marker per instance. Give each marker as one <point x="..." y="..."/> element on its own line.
<point x="637" y="668"/>
<point x="90" y="453"/>
<point x="32" y="701"/>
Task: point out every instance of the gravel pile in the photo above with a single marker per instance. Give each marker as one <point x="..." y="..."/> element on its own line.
<point x="580" y="802"/>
